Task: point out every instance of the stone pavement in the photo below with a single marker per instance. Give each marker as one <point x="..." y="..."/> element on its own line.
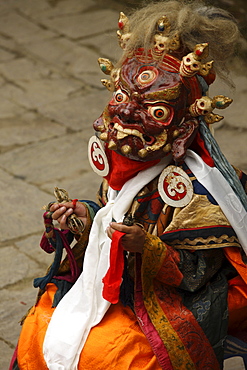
<point x="50" y="93"/>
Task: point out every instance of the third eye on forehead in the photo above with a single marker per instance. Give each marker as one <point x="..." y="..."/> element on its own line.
<point x="146" y="76"/>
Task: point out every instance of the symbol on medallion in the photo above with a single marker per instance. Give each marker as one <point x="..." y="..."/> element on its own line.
<point x="97" y="157"/>
<point x="175" y="187"/>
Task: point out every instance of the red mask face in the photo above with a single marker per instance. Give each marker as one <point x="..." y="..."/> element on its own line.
<point x="145" y="114"/>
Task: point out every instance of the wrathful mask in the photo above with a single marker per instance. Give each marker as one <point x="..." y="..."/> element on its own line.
<point x="151" y="112"/>
<point x="146" y="117"/>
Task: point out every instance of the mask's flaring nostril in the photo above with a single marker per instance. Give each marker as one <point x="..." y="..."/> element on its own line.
<point x="149" y="140"/>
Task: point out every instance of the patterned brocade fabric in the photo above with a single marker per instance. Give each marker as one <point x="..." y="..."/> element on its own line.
<point x="184" y="275"/>
<point x="199" y="225"/>
<point x="184" y="304"/>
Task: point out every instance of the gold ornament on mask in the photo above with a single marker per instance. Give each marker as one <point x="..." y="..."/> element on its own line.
<point x="163" y="26"/>
<point x="162" y="43"/>
<point x="108" y="84"/>
<point x="205" y="105"/>
<point x="211" y="118"/>
<point x="221" y="102"/>
<point x="106" y="65"/>
<point x="191" y="63"/>
<point x="166" y="94"/>
<point x="108" y="68"/>
<point x="124" y="30"/>
<point x="174" y="43"/>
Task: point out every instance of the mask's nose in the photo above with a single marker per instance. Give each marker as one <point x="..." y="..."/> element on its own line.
<point x="128" y="112"/>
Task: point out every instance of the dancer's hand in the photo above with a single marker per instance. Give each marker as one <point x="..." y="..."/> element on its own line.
<point x="134" y="238"/>
<point x="61" y="211"/>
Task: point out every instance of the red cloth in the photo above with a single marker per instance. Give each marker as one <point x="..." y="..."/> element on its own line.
<point x="113" y="278"/>
<point x="123" y="169"/>
<point x="199" y="147"/>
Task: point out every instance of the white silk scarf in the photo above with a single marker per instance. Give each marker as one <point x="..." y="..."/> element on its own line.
<point x="83" y="306"/>
<point x="212" y="179"/>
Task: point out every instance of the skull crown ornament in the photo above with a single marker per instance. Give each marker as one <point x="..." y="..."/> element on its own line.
<point x="162" y="43"/>
<point x="157" y="97"/>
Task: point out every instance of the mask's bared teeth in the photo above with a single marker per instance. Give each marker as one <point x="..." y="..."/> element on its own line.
<point x="121" y="135"/>
<point x="142" y="153"/>
<point x="100" y="128"/>
<point x="112" y="145"/>
<point x="167" y="148"/>
<point x="126" y="149"/>
<point x="103" y="136"/>
<point x="127" y="131"/>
